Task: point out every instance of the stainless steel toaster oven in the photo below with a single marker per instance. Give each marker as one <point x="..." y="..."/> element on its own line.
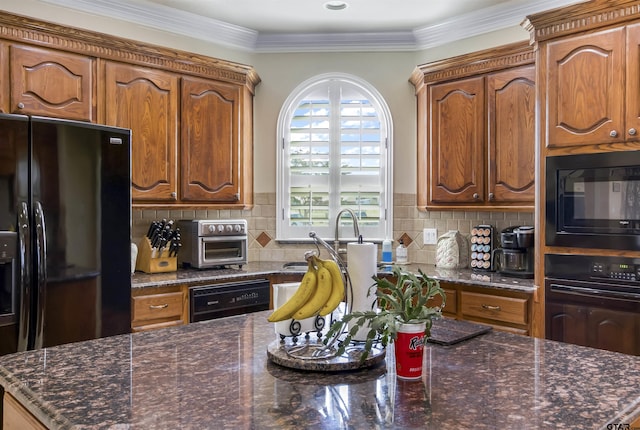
<point x="210" y="244"/>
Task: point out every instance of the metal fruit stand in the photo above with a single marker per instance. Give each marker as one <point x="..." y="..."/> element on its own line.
<point x="315" y="352"/>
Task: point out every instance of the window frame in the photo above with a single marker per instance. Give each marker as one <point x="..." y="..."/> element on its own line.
<point x="302" y="91"/>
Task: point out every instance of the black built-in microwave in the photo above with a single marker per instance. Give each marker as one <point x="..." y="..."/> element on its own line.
<point x="593" y="200"/>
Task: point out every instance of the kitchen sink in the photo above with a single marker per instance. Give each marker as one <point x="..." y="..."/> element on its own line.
<point x="295" y="266"/>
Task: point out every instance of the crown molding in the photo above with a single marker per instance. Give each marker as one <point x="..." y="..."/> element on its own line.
<point x="110" y="47"/>
<point x="579" y="18"/>
<point x="483" y="21"/>
<point x="167" y="19"/>
<point x="510" y="14"/>
<point x="332" y="42"/>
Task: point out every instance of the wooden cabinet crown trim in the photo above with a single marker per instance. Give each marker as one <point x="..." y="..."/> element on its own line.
<point x="579" y="18"/>
<point x="27" y="30"/>
<point x="478" y="62"/>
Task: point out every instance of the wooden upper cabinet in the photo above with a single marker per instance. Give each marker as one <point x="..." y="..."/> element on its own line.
<point x="145" y="100"/>
<point x="456" y="116"/>
<point x="191" y="115"/>
<point x="4" y="77"/>
<point x="210" y="139"/>
<point x="476" y="130"/>
<point x="511" y="106"/>
<point x="586" y="89"/>
<point x="51" y="83"/>
<point x="632" y="79"/>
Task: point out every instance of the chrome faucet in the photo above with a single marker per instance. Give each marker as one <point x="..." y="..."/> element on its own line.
<point x="356" y="229"/>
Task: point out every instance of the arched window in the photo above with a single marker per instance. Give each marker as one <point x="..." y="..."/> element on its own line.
<point x="334" y="152"/>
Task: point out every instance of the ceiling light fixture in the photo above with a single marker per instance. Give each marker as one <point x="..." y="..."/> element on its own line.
<point x="335" y="5"/>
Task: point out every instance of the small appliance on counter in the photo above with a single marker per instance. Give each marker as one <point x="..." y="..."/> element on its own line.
<point x="452" y="251"/>
<point x="483" y="244"/>
<point x="516" y="256"/>
<point x="213" y="243"/>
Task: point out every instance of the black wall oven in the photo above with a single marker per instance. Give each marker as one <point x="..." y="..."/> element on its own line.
<point x="593" y="301"/>
<point x="593" y="200"/>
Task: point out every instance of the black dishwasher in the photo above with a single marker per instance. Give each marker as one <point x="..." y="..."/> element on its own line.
<point x="207" y="302"/>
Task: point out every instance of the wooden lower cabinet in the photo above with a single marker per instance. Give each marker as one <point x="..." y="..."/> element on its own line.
<point x="16" y="417"/>
<point x="504" y="310"/>
<point x="504" y="313"/>
<point x="594" y="326"/>
<point x="159" y="307"/>
<point x="450" y="305"/>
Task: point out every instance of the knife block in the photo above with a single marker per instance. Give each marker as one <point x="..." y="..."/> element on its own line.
<point x="149" y="263"/>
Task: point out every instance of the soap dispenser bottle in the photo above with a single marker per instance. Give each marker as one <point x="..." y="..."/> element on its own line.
<point x="401" y="253"/>
<point x="386" y="251"/>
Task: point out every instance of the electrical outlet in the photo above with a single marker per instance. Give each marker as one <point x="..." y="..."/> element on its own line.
<point x="430" y="236"/>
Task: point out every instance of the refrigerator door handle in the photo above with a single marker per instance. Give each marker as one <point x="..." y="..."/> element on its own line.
<point x="24" y="281"/>
<point x="41" y="261"/>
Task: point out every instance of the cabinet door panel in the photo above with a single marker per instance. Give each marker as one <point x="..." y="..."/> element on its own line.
<point x="210" y="141"/>
<point x="586" y="89"/>
<point x="614" y="331"/>
<point x="51" y="83"/>
<point x="511" y="115"/>
<point x="16" y="416"/>
<point x="632" y="119"/>
<point x="456" y="160"/>
<point x="566" y="323"/>
<point x="4" y="77"/>
<point x="146" y="101"/>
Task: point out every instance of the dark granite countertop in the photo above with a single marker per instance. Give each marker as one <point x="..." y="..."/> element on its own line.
<point x="216" y="375"/>
<point x="461" y="276"/>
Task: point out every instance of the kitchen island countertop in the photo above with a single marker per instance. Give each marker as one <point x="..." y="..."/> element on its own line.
<point x="216" y="374"/>
<point x="256" y="269"/>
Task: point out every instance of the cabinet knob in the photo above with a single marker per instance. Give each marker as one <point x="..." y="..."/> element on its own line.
<point x="632" y="132"/>
<point x="491" y="196"/>
<point x="476" y="196"/>
<point x="613" y="133"/>
<point x="20" y="105"/>
<point x="174" y="195"/>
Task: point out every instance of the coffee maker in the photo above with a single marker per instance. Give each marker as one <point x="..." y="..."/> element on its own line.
<point x="515" y="257"/>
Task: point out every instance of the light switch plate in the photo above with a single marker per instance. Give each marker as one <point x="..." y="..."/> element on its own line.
<point x="430" y="236"/>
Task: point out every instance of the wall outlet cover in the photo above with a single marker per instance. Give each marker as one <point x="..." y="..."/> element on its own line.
<point x="430" y="236"/>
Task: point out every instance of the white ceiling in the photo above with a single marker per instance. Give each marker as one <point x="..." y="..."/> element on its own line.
<point x="306" y="25"/>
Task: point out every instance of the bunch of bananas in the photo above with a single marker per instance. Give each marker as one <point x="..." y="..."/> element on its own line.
<point x="320" y="292"/>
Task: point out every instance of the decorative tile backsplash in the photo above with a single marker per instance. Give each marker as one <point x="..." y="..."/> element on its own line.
<point x="408" y="225"/>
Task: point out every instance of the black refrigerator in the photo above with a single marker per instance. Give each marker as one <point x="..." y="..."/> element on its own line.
<point x="65" y="232"/>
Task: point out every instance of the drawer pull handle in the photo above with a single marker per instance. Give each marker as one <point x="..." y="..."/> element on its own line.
<point x="491" y="307"/>
<point x="166" y="305"/>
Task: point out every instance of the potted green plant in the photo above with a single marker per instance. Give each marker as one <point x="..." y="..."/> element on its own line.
<point x="400" y="304"/>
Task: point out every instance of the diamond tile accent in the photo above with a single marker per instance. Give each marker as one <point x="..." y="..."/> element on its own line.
<point x="406" y="239"/>
<point x="263" y="239"/>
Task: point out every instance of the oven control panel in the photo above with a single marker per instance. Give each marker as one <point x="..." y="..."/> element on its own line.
<point x="222" y="227"/>
<point x="616" y="270"/>
<point x="593" y="268"/>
